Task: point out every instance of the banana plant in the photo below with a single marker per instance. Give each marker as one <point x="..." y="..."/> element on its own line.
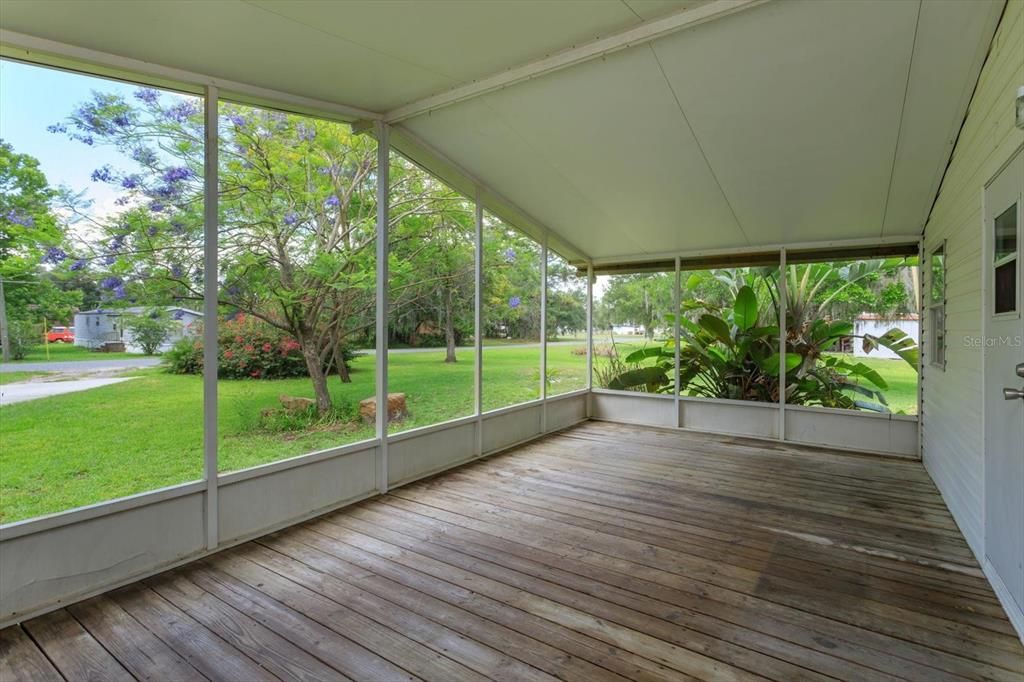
<point x="728" y="353"/>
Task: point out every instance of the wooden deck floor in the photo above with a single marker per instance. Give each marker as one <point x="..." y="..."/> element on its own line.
<point x="606" y="552"/>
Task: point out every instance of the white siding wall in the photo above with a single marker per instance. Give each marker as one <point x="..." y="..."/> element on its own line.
<point x="953" y="424"/>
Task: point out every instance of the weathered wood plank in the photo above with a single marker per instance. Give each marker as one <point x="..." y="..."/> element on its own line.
<point x="73" y="650"/>
<point x="21" y="659"/>
<point x="145" y="656"/>
<point x="605" y="552"/>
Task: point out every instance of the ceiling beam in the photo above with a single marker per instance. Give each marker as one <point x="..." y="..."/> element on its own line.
<point x="637" y="35"/>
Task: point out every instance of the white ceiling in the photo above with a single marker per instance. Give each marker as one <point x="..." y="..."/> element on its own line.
<point x="792" y="121"/>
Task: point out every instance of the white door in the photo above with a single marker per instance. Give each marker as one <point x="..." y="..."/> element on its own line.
<point x="1004" y="377"/>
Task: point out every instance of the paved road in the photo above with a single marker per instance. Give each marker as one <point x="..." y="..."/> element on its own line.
<point x="32" y="390"/>
<point x="81" y="365"/>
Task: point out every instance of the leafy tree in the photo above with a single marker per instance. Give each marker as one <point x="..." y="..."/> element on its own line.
<point x="296" y="227"/>
<point x="31" y="241"/>
<point x="642" y="299"/>
<point x="150" y="329"/>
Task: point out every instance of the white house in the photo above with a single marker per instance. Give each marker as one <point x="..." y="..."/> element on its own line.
<point x="876" y="325"/>
<point x="100" y="328"/>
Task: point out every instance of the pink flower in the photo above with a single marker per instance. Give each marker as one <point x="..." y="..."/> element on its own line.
<point x="267" y="348"/>
<point x="249" y="348"/>
<point x="228" y="354"/>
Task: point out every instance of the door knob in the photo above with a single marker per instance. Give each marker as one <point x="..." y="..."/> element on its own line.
<point x="1020" y="370"/>
<point x="1013" y="393"/>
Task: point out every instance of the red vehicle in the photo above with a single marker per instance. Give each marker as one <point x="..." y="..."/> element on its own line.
<point x="61" y="335"/>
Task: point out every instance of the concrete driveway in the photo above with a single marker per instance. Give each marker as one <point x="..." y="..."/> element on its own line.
<point x="33" y="390"/>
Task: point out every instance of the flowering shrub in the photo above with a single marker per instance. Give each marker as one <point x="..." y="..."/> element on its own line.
<point x="247" y="349"/>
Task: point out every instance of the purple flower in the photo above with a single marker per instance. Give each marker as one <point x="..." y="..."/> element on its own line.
<point x="514" y="302"/>
<point x="237" y="120"/>
<point x="176" y="270"/>
<point x="119" y="291"/>
<point x="86" y="139"/>
<point x="111" y="283"/>
<point x="164" y="192"/>
<point x="130" y="182"/>
<point x="122" y="120"/>
<point x="144" y="155"/>
<point x="121" y="201"/>
<point x="147" y="95"/>
<point x="182" y="111"/>
<point x="20" y="218"/>
<point x="55" y="255"/>
<point x="177" y="174"/>
<point x="109" y="259"/>
<point x="510" y="256"/>
<point x="77" y="265"/>
<point x="291" y="218"/>
<point x="57" y="128"/>
<point x="178" y="314"/>
<point x="116" y="243"/>
<point x="332" y="201"/>
<point x="103" y="174"/>
<point x="153" y="231"/>
<point x="156" y="207"/>
<point x="307" y="133"/>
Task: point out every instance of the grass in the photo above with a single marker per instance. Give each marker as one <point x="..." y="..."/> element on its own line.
<point x="15" y="377"/>
<point x="80" y="448"/>
<point x="65" y="352"/>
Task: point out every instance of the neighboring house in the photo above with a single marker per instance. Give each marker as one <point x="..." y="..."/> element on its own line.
<point x="876" y="325"/>
<point x="102" y="329"/>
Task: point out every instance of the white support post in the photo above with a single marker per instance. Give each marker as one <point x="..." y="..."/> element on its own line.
<point x="676" y="305"/>
<point x="783" y="296"/>
<point x="478" y="325"/>
<point x="590" y="336"/>
<point x="544" y="333"/>
<point x="383" y="186"/>
<point x="210" y="291"/>
<point x="920" y="356"/>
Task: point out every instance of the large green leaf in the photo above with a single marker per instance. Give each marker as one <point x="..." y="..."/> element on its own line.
<point x="717" y="327"/>
<point x="745" y="308"/>
<point x="896" y="340"/>
<point x="649" y="377"/>
<point x="770" y="364"/>
<point x="649" y="352"/>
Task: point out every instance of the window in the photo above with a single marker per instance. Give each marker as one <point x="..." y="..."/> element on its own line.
<point x="634" y="332"/>
<point x="511" y="312"/>
<point x="729" y="333"/>
<point x="1005" y="254"/>
<point x="566" y="327"/>
<point x="431" y="271"/>
<point x="100" y="190"/>
<point x="937" y="306"/>
<point x="297" y="285"/>
<point x="852" y="334"/>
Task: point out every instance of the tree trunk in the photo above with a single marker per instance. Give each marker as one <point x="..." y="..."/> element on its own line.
<point x="316" y="375"/>
<point x="339" y="362"/>
<point x="449" y="327"/>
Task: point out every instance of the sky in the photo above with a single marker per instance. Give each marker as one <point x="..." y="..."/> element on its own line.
<point x="32" y="98"/>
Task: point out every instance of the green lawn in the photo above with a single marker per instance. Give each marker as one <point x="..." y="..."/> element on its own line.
<point x="14" y="377"/>
<point x="64" y="352"/>
<point x="76" y="449"/>
<point x="80" y="448"/>
<point x="901" y="378"/>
